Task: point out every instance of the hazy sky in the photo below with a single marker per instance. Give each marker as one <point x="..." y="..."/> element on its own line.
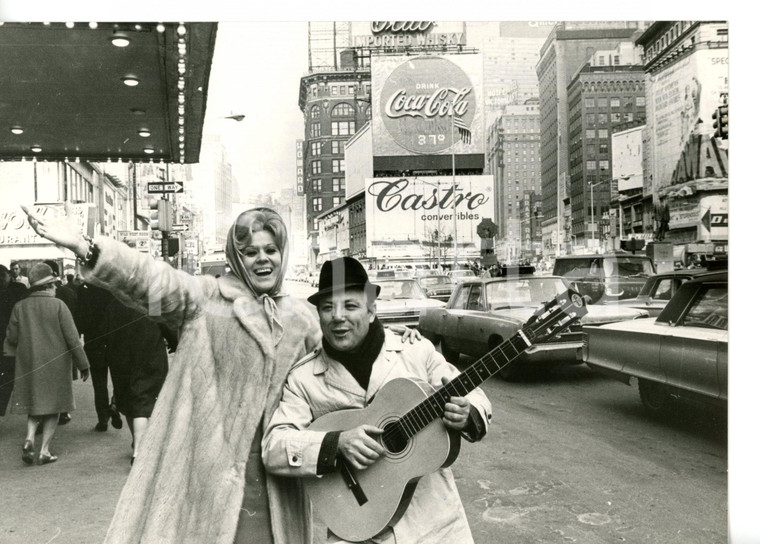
<point x="256" y="71"/>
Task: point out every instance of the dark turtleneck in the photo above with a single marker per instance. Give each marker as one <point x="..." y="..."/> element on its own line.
<point x="360" y="360"/>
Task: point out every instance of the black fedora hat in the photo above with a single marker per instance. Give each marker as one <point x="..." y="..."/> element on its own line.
<point x="341" y="274"/>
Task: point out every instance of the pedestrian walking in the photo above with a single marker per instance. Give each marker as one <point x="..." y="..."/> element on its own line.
<point x="92" y="321"/>
<point x="136" y="353"/>
<point x="42" y="333"/>
<point x="10" y="293"/>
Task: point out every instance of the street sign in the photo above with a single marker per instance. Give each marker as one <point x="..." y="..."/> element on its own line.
<point x="181" y="227"/>
<point x="166" y="187"/>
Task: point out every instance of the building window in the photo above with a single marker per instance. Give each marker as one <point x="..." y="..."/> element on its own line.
<point x="590" y="118"/>
<point x="615" y="117"/>
<point x="343" y="128"/>
<point x="616" y="60"/>
<point x="338" y="184"/>
<point x="614" y="102"/>
<point x="338" y="165"/>
<point x="338" y="147"/>
<point x="336" y="201"/>
<point x="602" y="102"/>
<point x="602" y="118"/>
<point x="316" y="130"/>
<point x="601" y="60"/>
<point x="316" y="167"/>
<point x="603" y="149"/>
<point x="590" y="134"/>
<point x="343" y="110"/>
<point x="316" y="185"/>
<point x="342" y="89"/>
<point x="590" y="165"/>
<point x="315" y="224"/>
<point x="316" y="204"/>
<point x="641" y="101"/>
<point x="316" y="149"/>
<point x="604" y="165"/>
<point x="629" y="116"/>
<point x="588" y="102"/>
<point x="602" y="133"/>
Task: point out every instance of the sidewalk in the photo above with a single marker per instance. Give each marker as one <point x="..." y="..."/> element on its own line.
<point x="70" y="501"/>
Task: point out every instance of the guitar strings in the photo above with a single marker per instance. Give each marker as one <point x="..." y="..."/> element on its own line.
<point x="415" y="419"/>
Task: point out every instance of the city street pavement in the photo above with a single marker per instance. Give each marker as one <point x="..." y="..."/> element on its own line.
<point x="570" y="457"/>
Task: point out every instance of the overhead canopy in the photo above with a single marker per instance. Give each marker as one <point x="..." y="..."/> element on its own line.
<point x="64" y="91"/>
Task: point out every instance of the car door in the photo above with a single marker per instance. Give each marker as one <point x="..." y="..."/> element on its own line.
<point x="470" y="324"/>
<point x="694" y="354"/>
<point x="451" y="318"/>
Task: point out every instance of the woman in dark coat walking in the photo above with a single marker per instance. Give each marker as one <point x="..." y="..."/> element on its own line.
<point x="42" y="333"/>
<point x="136" y="352"/>
<point x="10" y="293"/>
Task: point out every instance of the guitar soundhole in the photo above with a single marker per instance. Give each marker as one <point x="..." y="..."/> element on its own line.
<point x="394" y="438"/>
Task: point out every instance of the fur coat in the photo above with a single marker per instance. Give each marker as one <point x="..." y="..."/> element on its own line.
<point x="186" y="486"/>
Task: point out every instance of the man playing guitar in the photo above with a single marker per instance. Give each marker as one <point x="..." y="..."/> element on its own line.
<point x="357" y="358"/>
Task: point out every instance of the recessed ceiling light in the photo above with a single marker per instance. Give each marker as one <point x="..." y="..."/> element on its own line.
<point x="149" y="150"/>
<point x="17" y="130"/>
<point x="145" y="133"/>
<point x="69" y="25"/>
<point x="93" y="25"/>
<point x="119" y="41"/>
<point x="160" y="27"/>
<point x="130" y="81"/>
<point x="36" y="148"/>
<point x="181" y="30"/>
<point x="138" y="27"/>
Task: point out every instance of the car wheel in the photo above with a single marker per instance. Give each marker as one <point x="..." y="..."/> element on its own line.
<point x="653" y="395"/>
<point x="449" y="354"/>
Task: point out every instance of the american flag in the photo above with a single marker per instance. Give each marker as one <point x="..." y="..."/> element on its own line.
<point x="464" y="130"/>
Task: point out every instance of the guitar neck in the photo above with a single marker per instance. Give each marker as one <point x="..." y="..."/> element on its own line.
<point x="432" y="408"/>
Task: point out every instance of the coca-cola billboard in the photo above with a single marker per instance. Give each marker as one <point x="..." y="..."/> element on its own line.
<point x="427" y="105"/>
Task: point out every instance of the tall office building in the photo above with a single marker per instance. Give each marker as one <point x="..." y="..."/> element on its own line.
<point x="568" y="47"/>
<point x="606" y="92"/>
<point x="513" y="158"/>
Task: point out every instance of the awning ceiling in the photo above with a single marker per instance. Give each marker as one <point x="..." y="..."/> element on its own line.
<point x="64" y="88"/>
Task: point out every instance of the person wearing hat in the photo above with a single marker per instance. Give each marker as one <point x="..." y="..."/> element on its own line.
<point x="356" y="358"/>
<point x="42" y="334"/>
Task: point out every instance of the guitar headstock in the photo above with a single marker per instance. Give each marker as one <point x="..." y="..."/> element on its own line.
<point x="555" y="316"/>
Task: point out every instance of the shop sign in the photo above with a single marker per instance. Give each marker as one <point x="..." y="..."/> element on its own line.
<point x="408" y="34"/>
<point x="15" y="229"/>
<point x="299" y="168"/>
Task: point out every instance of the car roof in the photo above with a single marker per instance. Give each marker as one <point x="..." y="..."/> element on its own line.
<point x="511" y="277"/>
<point x="388" y="280"/>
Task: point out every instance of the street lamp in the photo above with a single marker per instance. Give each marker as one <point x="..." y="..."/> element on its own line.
<point x="593" y="225"/>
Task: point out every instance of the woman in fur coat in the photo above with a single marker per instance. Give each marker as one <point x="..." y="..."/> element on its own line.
<point x="198" y="477"/>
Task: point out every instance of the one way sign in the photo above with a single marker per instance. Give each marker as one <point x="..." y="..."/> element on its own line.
<point x="166" y="187"/>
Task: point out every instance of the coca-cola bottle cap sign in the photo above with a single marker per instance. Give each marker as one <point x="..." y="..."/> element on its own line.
<point x="417" y="102"/>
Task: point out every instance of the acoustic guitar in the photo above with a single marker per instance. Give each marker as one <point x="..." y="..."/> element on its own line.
<point x="357" y="505"/>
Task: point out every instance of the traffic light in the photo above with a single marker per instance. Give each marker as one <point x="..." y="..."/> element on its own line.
<point x="721" y="121"/>
<point x="161" y="215"/>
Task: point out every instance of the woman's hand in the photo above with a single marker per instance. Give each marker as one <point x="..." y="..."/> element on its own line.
<point x="413" y="335"/>
<point x="63" y="231"/>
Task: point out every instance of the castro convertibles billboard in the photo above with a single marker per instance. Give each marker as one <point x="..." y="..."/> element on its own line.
<point x="427" y="105"/>
<point x="405" y="209"/>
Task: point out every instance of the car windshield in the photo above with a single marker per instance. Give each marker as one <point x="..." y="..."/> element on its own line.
<point x="434" y="280"/>
<point x="627" y="267"/>
<point x="523" y="292"/>
<point x="400" y="289"/>
<point x="462" y="273"/>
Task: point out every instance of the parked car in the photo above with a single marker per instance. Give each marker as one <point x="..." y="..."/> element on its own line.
<point x="437" y="286"/>
<point x="482" y="313"/>
<point x="682" y="353"/>
<point x="402" y="301"/>
<point x="458" y="276"/>
<point x="603" y="278"/>
<point x="658" y="290"/>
